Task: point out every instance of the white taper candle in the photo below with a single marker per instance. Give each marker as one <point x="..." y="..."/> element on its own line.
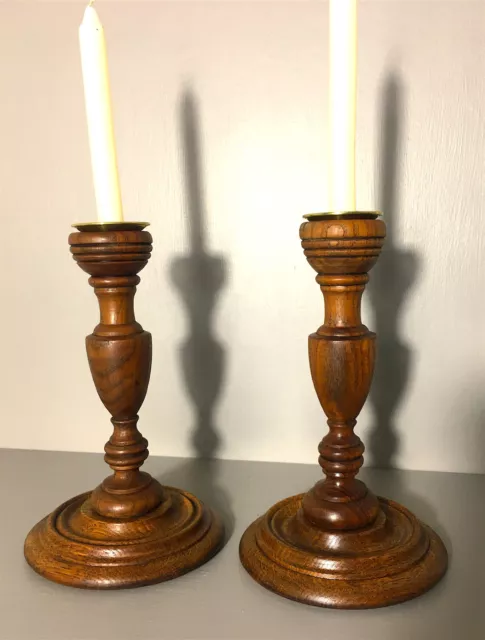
<point x="98" y="111"/>
<point x="342" y="104"/>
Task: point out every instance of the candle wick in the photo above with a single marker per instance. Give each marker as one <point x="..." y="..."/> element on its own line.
<point x="91" y="2"/>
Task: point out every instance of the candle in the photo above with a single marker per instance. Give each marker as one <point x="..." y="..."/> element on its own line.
<point x="342" y="103"/>
<point x="98" y="111"/>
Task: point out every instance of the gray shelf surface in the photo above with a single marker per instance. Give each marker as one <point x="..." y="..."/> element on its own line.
<point x="219" y="600"/>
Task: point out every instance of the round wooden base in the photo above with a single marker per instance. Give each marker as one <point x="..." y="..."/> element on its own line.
<point x="394" y="559"/>
<point x="77" y="547"/>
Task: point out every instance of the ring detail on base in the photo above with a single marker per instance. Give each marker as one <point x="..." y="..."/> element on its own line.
<point x="78" y="547"/>
<point x="394" y="559"/>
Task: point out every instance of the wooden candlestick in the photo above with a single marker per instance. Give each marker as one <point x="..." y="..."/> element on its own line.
<point x="339" y="545"/>
<point x="130" y="531"/>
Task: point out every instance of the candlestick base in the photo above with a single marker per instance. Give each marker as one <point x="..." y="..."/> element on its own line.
<point x="76" y="546"/>
<point x="394" y="559"/>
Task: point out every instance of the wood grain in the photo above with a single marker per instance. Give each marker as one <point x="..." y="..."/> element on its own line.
<point x="339" y="545"/>
<point x="130" y="530"/>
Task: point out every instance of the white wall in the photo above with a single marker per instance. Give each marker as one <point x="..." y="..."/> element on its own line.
<point x="257" y="72"/>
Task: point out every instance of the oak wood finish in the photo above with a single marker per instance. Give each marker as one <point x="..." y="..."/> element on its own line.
<point x="339" y="545"/>
<point x="130" y="531"/>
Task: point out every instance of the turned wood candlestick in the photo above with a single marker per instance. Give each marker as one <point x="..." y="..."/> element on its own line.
<point x="339" y="545"/>
<point x="130" y="531"/>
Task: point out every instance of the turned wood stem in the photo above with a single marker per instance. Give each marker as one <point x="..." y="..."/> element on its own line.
<point x="342" y="354"/>
<point x="127" y="449"/>
<point x="119" y="354"/>
<point x="341" y="449"/>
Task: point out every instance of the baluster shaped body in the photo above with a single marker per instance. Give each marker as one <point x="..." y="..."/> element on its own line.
<point x="342" y="354"/>
<point x="120" y="354"/>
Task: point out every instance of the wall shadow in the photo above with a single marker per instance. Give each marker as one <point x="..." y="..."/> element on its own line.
<point x="390" y="284"/>
<point x="199" y="277"/>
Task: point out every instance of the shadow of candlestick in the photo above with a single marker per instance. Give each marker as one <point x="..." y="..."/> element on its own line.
<point x="390" y="284"/>
<point x="199" y="277"/>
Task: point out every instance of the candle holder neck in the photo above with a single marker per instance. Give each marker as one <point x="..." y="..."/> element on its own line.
<point x="342" y="295"/>
<point x="116" y="297"/>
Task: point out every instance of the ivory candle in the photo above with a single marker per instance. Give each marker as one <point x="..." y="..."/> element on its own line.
<point x="98" y="111"/>
<point x="342" y="104"/>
